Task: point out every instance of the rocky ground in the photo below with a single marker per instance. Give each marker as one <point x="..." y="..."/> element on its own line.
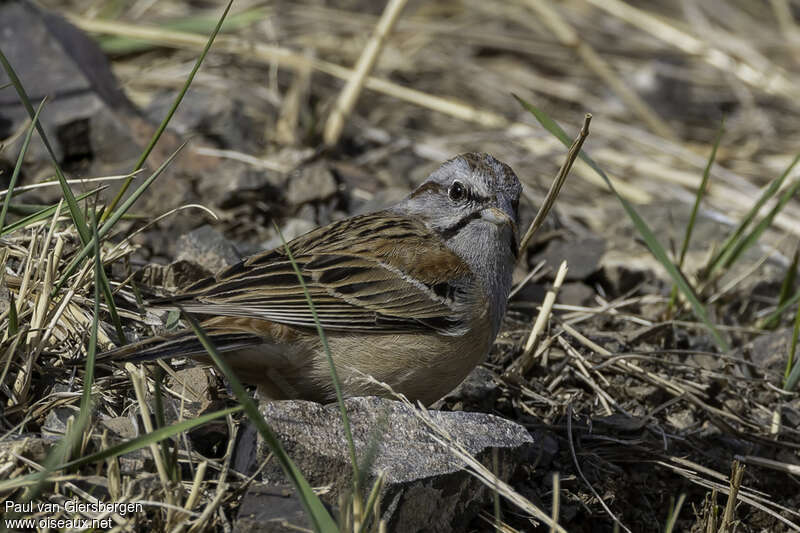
<point x="629" y="400"/>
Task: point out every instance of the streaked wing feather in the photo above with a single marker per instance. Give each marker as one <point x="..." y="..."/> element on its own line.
<point x="380" y="272"/>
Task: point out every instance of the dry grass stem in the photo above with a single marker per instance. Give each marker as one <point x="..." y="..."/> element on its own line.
<point x="349" y="95"/>
<point x="773" y="79"/>
<point x="729" y="514"/>
<point x="138" y="380"/>
<point x="770" y="463"/>
<point x="295" y="61"/>
<point x="571" y="39"/>
<point x="525" y="361"/>
<point x="555" y="187"/>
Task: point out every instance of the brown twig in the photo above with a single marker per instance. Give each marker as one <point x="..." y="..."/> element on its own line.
<point x="555" y="188"/>
<point x="729" y="515"/>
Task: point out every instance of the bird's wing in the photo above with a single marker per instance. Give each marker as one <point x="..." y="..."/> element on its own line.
<point x="373" y="273"/>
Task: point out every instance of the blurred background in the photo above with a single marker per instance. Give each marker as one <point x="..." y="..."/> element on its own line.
<point x="659" y="77"/>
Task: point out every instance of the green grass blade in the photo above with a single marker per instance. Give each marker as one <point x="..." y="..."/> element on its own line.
<point x="332" y="367"/>
<point x="701" y="190"/>
<point x="109" y="224"/>
<point x="673" y="515"/>
<point x="316" y="512"/>
<point x="75" y="212"/>
<point x="746" y="242"/>
<point x="91" y="352"/>
<point x="193" y="24"/>
<point x="15" y="174"/>
<point x="644" y="230"/>
<point x="44" y="214"/>
<point x="726" y="250"/>
<point x="369" y="507"/>
<point x="786" y="286"/>
<point x="794" y="376"/>
<point x="790" y="278"/>
<point x="170" y="113"/>
<point x="124" y="447"/>
<point x="790" y="359"/>
<point x="108" y="296"/>
<point x="161" y="421"/>
<point x="776" y="314"/>
<point x="150" y="438"/>
<point x="699" y="196"/>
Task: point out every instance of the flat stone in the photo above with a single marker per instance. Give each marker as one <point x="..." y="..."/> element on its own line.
<point x="30" y="446"/>
<point x="576" y="293"/>
<point x="55" y="423"/>
<point x="582" y="255"/>
<point x="121" y="426"/>
<point x="51" y="57"/>
<point x="426" y="488"/>
<point x="311" y="183"/>
<point x="216" y="114"/>
<point x="193" y="383"/>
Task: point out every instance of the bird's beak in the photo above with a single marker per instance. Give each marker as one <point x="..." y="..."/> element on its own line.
<point x="500" y="218"/>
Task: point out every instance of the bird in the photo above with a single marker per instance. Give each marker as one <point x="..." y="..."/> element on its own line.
<point x="411" y="296"/>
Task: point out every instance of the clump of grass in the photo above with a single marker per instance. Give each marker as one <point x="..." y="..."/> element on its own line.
<point x="64" y="277"/>
<point x="54" y="302"/>
<point x="642" y="227"/>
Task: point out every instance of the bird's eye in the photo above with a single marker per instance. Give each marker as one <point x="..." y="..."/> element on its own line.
<point x="457" y="191"/>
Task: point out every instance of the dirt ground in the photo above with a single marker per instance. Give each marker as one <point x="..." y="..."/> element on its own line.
<point x="635" y="404"/>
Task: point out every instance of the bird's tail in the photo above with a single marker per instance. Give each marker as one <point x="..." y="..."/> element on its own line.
<point x="179" y="344"/>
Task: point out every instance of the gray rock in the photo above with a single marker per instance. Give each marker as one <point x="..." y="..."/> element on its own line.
<point x="214" y="113"/>
<point x="121" y="429"/>
<point x="270" y="509"/>
<point x="582" y="255"/>
<point x="53" y="58"/>
<point x="767" y="353"/>
<point x="576" y="293"/>
<point x="243" y="183"/>
<point x="193" y="383"/>
<point x="208" y="248"/>
<point x="478" y="391"/>
<point x="56" y="420"/>
<point x="120" y="426"/>
<point x="30" y="446"/>
<point x="682" y="420"/>
<point x="426" y="487"/>
<point x="311" y="183"/>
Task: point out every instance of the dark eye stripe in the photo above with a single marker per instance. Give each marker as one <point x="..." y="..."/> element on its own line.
<point x="453" y="230"/>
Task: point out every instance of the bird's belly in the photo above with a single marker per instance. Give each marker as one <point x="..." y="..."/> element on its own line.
<point x="422" y="367"/>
